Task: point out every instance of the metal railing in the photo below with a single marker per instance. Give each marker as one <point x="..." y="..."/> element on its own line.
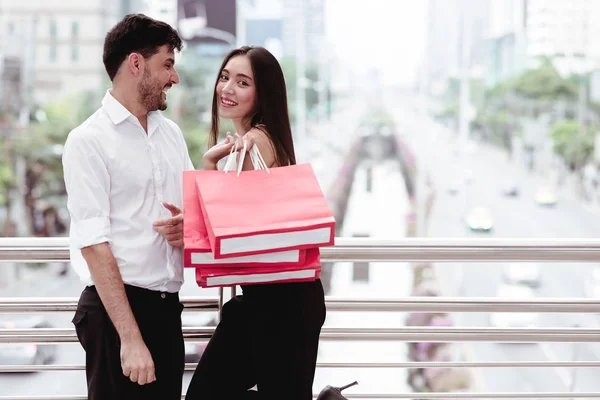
<point x="358" y="249"/>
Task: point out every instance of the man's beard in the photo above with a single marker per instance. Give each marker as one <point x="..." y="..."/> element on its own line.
<point x="150" y="93"/>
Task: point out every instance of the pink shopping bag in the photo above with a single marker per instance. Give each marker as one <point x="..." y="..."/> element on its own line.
<point x="196" y="245"/>
<point x="262" y="211"/>
<point x="217" y="276"/>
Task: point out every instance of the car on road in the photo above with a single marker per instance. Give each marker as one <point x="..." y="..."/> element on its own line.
<point x="546" y="196"/>
<point x="514" y="319"/>
<point x="523" y="273"/>
<point x="26" y="353"/>
<point x="452" y="189"/>
<point x="479" y="219"/>
<point x="592" y="285"/>
<point x="511" y="190"/>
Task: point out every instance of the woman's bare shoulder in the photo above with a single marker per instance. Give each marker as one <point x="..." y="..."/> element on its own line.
<point x="261" y="137"/>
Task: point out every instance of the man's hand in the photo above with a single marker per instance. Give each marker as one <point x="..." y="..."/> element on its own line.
<point x="137" y="362"/>
<point x="171" y="228"/>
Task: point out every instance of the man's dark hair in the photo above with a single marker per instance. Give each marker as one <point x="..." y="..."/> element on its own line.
<point x="136" y="33"/>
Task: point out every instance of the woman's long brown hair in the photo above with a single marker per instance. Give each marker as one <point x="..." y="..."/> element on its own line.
<point x="270" y="113"/>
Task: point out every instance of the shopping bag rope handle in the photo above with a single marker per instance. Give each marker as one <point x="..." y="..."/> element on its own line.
<point x="258" y="162"/>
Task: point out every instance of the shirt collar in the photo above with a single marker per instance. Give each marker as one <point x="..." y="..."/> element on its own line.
<point x="154" y="118"/>
<point x="118" y="113"/>
<point x="115" y="110"/>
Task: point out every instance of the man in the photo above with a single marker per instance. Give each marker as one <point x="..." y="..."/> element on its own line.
<point x="123" y="171"/>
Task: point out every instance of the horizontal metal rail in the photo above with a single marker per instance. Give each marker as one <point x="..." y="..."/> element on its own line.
<point x="407" y="334"/>
<point x="431" y="395"/>
<point x="466" y="395"/>
<point x="408" y="304"/>
<point x="30" y="249"/>
<point x="356" y="365"/>
<point x="471" y="304"/>
<point x="69" y="304"/>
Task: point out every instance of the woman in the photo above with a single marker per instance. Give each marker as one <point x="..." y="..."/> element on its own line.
<point x="269" y="336"/>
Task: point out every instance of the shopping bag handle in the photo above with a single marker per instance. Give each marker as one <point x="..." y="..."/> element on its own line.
<point x="232" y="155"/>
<point x="256" y="158"/>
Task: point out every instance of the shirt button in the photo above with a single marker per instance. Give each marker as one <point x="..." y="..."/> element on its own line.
<point x="164" y="296"/>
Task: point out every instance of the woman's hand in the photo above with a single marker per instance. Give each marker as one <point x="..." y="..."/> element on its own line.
<point x="217" y="152"/>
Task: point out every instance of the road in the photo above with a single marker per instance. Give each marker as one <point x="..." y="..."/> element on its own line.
<point x="491" y="171"/>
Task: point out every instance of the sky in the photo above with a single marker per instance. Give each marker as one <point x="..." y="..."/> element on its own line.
<point x="385" y="34"/>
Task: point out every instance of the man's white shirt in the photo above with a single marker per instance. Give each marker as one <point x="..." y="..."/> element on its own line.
<point x="116" y="177"/>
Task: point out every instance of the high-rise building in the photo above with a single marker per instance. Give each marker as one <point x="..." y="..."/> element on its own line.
<point x="312" y="14"/>
<point x="506" y="40"/>
<point x="162" y="10"/>
<point x="59" y="43"/>
<point x="261" y="24"/>
<point x="593" y="35"/>
<point x="561" y="30"/>
<point x="452" y="24"/>
<point x="442" y="49"/>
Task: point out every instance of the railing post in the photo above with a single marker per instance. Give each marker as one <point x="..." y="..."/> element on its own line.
<point x="575" y="357"/>
<point x="232" y="294"/>
<point x="220" y="304"/>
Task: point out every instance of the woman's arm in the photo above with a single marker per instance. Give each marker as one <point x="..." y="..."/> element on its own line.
<point x="215" y="153"/>
<point x="265" y="147"/>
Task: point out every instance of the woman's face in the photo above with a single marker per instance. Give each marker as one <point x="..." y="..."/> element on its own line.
<point x="235" y="89"/>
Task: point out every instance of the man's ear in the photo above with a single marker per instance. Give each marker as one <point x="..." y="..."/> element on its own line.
<point x="135" y="64"/>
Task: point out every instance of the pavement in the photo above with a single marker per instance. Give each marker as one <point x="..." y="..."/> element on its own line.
<point x="379" y="213"/>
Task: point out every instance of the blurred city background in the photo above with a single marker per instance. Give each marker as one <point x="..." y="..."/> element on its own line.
<point x="438" y="118"/>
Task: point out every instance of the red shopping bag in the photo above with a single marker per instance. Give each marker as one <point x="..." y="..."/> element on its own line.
<point x="261" y="211"/>
<point x="196" y="246"/>
<point x="217" y="276"/>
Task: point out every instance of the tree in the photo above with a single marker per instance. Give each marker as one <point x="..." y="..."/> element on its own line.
<point x="575" y="148"/>
<point x="288" y="65"/>
<point x="530" y="94"/>
<point x="544" y="83"/>
<point x="39" y="145"/>
<point x="496" y="127"/>
<point x="7" y="180"/>
<point x="7" y="121"/>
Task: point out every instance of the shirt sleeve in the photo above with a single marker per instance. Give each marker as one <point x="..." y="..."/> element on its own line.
<point x="187" y="161"/>
<point x="189" y="166"/>
<point x="87" y="182"/>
